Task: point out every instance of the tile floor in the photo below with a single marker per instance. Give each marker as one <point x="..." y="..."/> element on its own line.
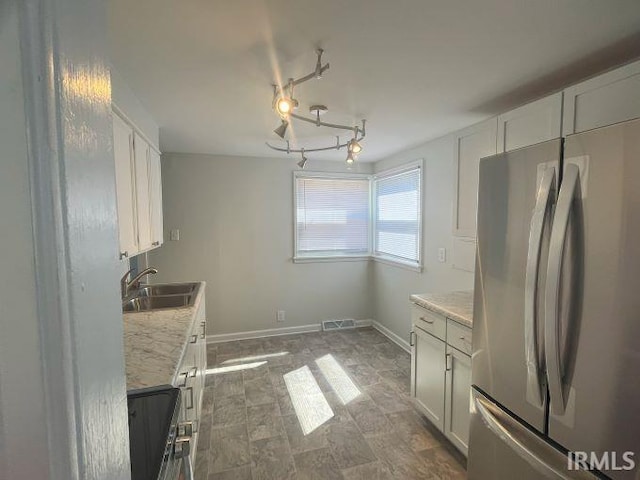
<point x="316" y="406"/>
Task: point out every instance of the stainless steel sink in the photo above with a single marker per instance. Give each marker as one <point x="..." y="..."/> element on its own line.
<point x="161" y="296"/>
<point x="166" y="289"/>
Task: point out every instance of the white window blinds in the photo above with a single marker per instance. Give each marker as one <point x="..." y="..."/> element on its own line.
<point x="332" y="216"/>
<point x="397" y="215"/>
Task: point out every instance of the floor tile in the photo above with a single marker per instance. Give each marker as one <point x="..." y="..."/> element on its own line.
<point x="298" y="441"/>
<point x="259" y="391"/>
<point x="387" y="399"/>
<point x="201" y="468"/>
<point x="317" y="465"/>
<point x="229" y="448"/>
<point x="369" y="417"/>
<point x="226" y="384"/>
<point x="229" y="410"/>
<point x="369" y="471"/>
<point x="397" y="380"/>
<point x="398" y="457"/>
<point x="264" y="421"/>
<point x="240" y="473"/>
<point x="363" y="374"/>
<point x="347" y="445"/>
<point x="409" y="426"/>
<point x="271" y="459"/>
<point x="443" y="464"/>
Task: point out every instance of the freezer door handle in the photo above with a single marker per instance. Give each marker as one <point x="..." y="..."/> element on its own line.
<point x="546" y="460"/>
<point x="567" y="193"/>
<point x="544" y="202"/>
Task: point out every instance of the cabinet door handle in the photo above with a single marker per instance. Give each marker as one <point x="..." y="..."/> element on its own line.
<point x="449" y="359"/>
<point x="411" y="338"/>
<point x="464" y="339"/>
<point x="193" y="372"/>
<point x="156" y="243"/>
<point x="186" y="375"/>
<point x="426" y="319"/>
<point x="190" y="403"/>
<point x="204" y="329"/>
<point x="124" y="254"/>
<point x="194" y="339"/>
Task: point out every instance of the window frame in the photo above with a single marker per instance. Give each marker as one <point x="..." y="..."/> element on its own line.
<point x="329" y="257"/>
<point x="391" y="259"/>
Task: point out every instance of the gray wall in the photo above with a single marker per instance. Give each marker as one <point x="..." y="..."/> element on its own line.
<point x="235" y="216"/>
<point x="392" y="285"/>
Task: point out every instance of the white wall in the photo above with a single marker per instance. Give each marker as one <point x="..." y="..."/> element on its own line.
<point x="22" y="416"/>
<point x="235" y="216"/>
<point x="391" y="285"/>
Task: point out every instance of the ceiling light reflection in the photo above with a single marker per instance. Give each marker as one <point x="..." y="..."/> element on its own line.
<point x="309" y="403"/>
<point x="344" y="387"/>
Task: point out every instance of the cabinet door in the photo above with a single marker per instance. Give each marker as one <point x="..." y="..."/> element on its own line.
<point x="155" y="198"/>
<point x="471" y="144"/>
<point x="458" y="398"/>
<point x="428" y="372"/>
<point x="609" y="98"/>
<point x="533" y="123"/>
<point x="125" y="186"/>
<point x="143" y="204"/>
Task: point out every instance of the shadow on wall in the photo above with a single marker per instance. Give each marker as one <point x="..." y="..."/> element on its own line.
<point x="614" y="55"/>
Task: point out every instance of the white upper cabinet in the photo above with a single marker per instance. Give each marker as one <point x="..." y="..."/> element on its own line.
<point x="143" y="191"/>
<point x="533" y="123"/>
<point x="470" y="145"/>
<point x="139" y="190"/>
<point x="156" y="198"/>
<point x="125" y="186"/>
<point x="603" y="100"/>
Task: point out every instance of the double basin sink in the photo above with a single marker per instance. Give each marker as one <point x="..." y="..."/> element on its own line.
<point x="161" y="296"/>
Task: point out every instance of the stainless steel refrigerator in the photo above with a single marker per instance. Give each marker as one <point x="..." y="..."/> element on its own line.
<point x="556" y="335"/>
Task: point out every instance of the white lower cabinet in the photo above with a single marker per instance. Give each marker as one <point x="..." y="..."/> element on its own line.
<point x="191" y="373"/>
<point x="441" y="375"/>
<point x="457" y="398"/>
<point x="428" y="361"/>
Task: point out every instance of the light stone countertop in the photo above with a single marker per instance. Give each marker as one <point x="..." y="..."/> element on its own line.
<point x="154" y="343"/>
<point x="457" y="306"/>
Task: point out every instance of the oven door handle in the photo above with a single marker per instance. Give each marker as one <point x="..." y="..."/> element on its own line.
<point x="187" y="468"/>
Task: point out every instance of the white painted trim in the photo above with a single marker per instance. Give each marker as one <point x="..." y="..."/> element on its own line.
<point x="275" y="332"/>
<point x="335" y="258"/>
<point x="392" y="336"/>
<point x="389" y="260"/>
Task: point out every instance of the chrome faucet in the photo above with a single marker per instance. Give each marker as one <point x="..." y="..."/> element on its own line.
<point x="134" y="283"/>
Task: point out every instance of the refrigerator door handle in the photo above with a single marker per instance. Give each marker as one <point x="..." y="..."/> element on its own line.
<point x="544" y="200"/>
<point x="570" y="182"/>
<point x="547" y="461"/>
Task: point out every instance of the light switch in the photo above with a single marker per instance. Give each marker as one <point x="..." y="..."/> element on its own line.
<point x="174" y="235"/>
<point x="442" y="255"/>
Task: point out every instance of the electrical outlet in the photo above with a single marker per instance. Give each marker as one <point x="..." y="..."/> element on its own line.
<point x="280" y="316"/>
<point x="442" y="255"/>
<point x="174" y="235"/>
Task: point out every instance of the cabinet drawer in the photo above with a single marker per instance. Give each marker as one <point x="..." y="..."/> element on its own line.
<point x="429" y="321"/>
<point x="459" y="336"/>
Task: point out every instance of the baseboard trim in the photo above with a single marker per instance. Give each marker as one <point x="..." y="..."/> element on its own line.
<point x="401" y="342"/>
<point x="275" y="332"/>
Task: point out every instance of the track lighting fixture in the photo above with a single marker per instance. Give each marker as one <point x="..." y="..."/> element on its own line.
<point x="282" y="128"/>
<point x="284" y="105"/>
<point x="303" y="162"/>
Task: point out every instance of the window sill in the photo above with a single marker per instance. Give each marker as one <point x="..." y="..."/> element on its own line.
<point x="397" y="263"/>
<point x="338" y="258"/>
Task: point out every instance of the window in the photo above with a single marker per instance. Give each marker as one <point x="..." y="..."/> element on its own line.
<point x="332" y="215"/>
<point x="397" y="225"/>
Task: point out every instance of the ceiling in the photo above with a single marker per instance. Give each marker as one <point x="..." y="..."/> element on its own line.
<point x="415" y="69"/>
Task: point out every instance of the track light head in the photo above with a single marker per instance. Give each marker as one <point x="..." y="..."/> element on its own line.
<point x="282" y="129"/>
<point x="354" y="146"/>
<point x="303" y="162"/>
<point x="350" y="158"/>
<point x="285" y="105"/>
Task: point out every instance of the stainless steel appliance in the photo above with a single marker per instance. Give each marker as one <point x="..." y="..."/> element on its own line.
<point x="556" y="335"/>
<point x="159" y="438"/>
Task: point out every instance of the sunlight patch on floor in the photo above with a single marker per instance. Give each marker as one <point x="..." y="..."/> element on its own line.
<point x="338" y="379"/>
<point x="253" y="358"/>
<point x="309" y="403"/>
<point x="234" y="368"/>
